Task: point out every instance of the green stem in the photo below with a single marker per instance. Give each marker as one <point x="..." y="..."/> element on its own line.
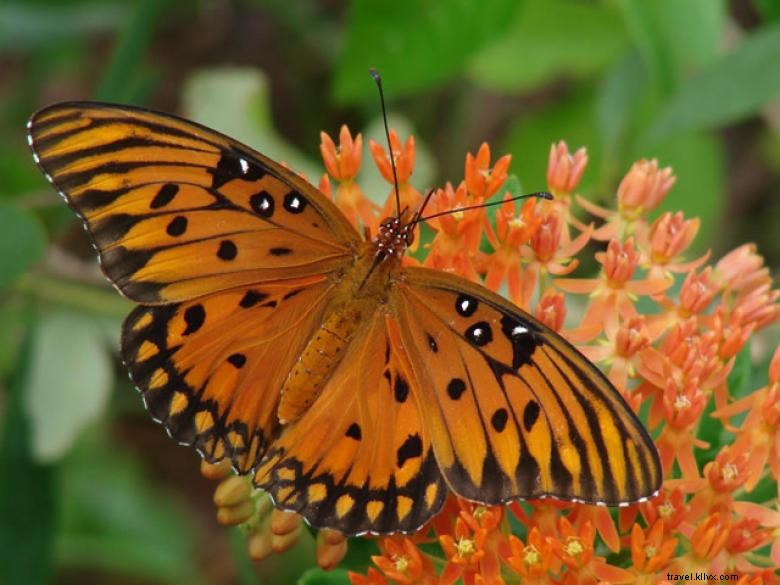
<point x="72" y="294"/>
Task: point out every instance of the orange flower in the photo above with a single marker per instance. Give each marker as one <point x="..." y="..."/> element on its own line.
<point x="457" y="234"/>
<point x="343" y="164"/>
<point x="621" y="349"/>
<point x="404" y="166"/>
<point x="551" y="309"/>
<point x="640" y="191"/>
<point x="482" y="181"/>
<point x="575" y="549"/>
<point x="551" y="253"/>
<point x="614" y="292"/>
<point x="650" y="551"/>
<point x="565" y="170"/>
<point x="510" y="234"/>
<point x="670" y="235"/>
<point x="532" y="561"/>
<point x="759" y="434"/>
<point x="402" y="562"/>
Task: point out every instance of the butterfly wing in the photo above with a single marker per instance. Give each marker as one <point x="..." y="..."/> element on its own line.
<point x="512" y="408"/>
<point x="176" y="210"/>
<point x="211" y="369"/>
<point x="359" y="459"/>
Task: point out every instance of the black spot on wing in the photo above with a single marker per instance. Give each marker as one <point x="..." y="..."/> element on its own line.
<point x="280" y="251"/>
<point x="164" y="196"/>
<point x="232" y="165"/>
<point x="262" y="204"/>
<point x="177" y="226"/>
<point x="479" y="334"/>
<point x="523" y="337"/>
<point x="251" y="298"/>
<point x="455" y="388"/>
<point x="499" y="419"/>
<point x="354" y="432"/>
<point x="530" y="414"/>
<point x="237" y="360"/>
<point x="411" y="448"/>
<point x="432" y="343"/>
<point x="227" y="250"/>
<point x="466" y="305"/>
<point x="400" y="389"/>
<point x="194" y="317"/>
<point x="295" y="203"/>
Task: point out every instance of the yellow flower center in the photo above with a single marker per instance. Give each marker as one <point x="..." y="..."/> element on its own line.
<point x="666" y="509"/>
<point x="729" y="472"/>
<point x="465" y="547"/>
<point x="532" y="557"/>
<point x="573" y="547"/>
<point x="681" y="403"/>
<point x="650" y="551"/>
<point x="401" y="563"/>
<point x="479" y="512"/>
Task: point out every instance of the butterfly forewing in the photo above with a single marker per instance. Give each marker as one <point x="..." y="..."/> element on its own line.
<point x="176" y="210"/>
<point x="519" y="411"/>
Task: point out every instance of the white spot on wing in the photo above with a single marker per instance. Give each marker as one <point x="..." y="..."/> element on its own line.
<point x="244" y="165"/>
<point x="519" y="330"/>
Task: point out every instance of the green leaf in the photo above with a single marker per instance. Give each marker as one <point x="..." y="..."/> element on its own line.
<point x="673" y="36"/>
<point x="22" y="242"/>
<point x="114" y="521"/>
<point x="769" y="9"/>
<point x="700" y="191"/>
<point x="618" y="101"/>
<point x="319" y="577"/>
<point x="549" y="39"/>
<point x="529" y="140"/>
<point x="414" y="45"/>
<point x="69" y="381"/>
<point x="730" y="89"/>
<point x="27" y="494"/>
<point x="24" y="26"/>
<point x="124" y="77"/>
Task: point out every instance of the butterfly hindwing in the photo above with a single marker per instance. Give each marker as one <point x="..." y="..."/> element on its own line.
<point x="176" y="210"/>
<point x="210" y="370"/>
<point x="360" y="458"/>
<point x="515" y="410"/>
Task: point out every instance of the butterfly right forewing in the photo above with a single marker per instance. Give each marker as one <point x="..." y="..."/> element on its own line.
<point x="515" y="410"/>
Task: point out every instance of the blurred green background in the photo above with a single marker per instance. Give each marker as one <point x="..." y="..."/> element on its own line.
<point x="91" y="490"/>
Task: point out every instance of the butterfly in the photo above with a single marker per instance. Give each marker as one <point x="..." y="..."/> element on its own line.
<point x="357" y="392"/>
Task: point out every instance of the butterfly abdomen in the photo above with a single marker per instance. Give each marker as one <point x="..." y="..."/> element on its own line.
<point x="318" y="360"/>
<point x="358" y="295"/>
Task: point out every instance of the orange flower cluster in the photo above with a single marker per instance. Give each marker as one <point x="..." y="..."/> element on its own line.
<point x="666" y="328"/>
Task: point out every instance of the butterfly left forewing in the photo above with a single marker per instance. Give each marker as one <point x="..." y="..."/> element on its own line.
<point x="515" y="410"/>
<point x="359" y="459"/>
<point x="176" y="210"/>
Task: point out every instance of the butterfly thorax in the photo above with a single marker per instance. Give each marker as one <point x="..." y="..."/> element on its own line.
<point x="359" y="292"/>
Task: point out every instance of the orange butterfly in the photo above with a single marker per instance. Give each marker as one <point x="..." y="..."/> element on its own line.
<point x="269" y="332"/>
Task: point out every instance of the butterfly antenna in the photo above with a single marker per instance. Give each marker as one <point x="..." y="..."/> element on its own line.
<point x="378" y="80"/>
<point x="422" y="207"/>
<point x="539" y="194"/>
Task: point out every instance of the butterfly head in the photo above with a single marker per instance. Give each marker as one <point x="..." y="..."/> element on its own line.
<point x="394" y="236"/>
